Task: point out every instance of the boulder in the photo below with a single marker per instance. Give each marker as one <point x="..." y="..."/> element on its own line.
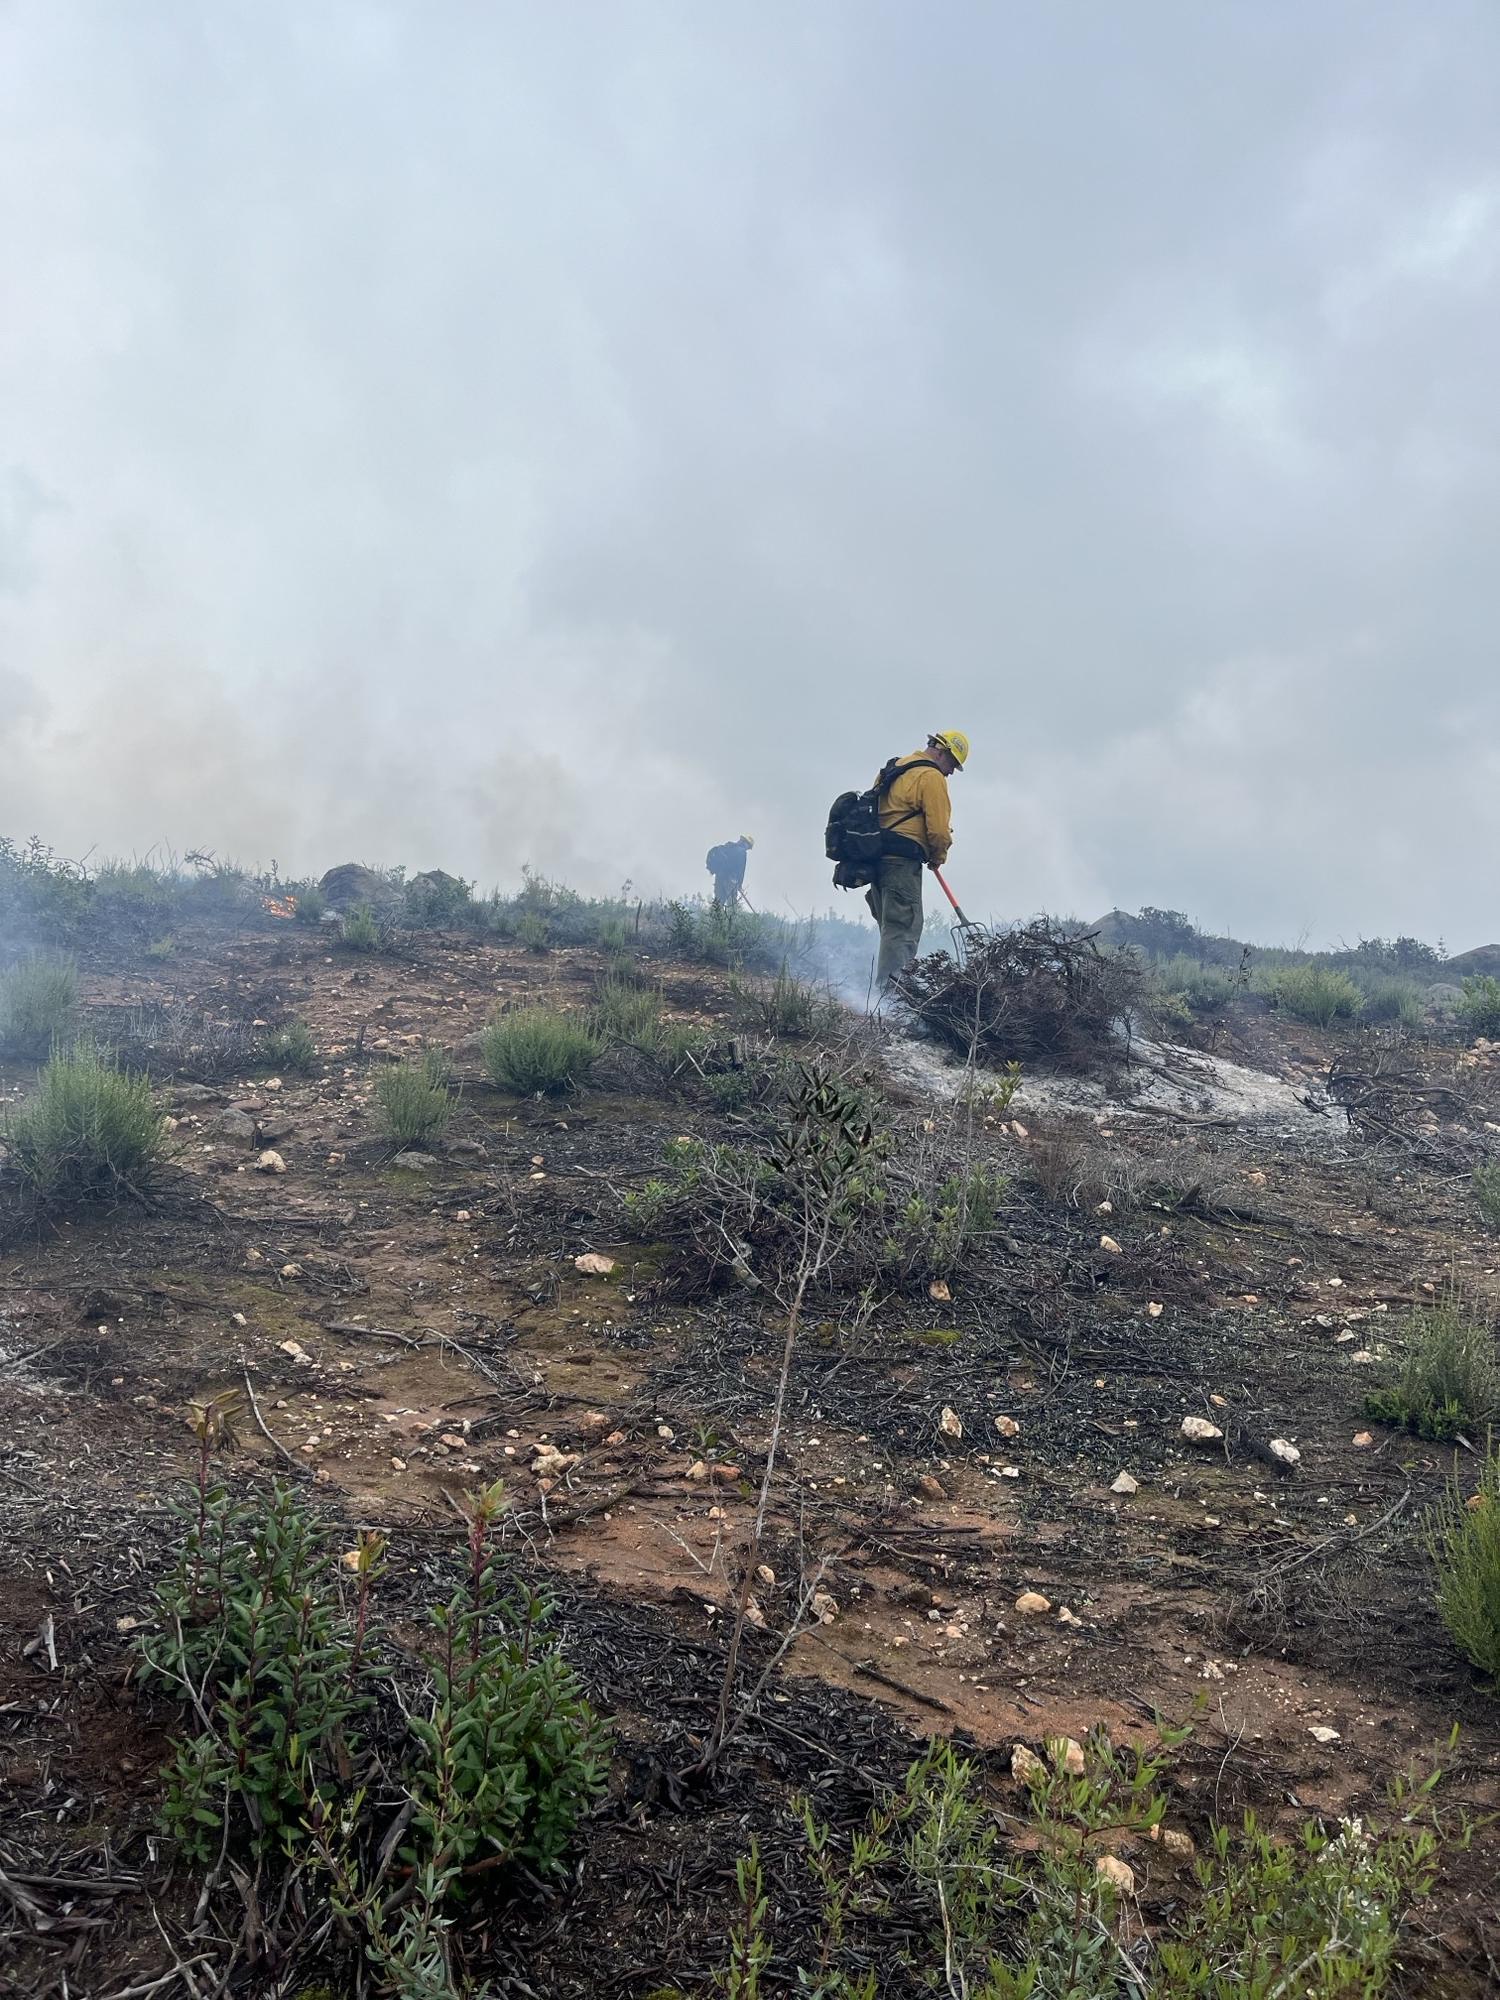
<point x="350" y="884"/>
<point x="236" y="1125"/>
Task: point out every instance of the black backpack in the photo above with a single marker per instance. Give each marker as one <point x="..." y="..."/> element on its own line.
<point x="855" y="839"/>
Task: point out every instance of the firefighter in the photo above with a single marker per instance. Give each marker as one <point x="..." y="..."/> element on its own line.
<point x="916" y="825"/>
<point x="726" y="863"/>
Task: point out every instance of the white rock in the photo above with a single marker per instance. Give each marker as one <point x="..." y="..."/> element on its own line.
<point x="1117" y="1873"/>
<point x="1124" y="1484"/>
<point x="594" y="1264"/>
<point x="1321" y="1733"/>
<point x="950" y="1423"/>
<point x="697" y="1471"/>
<point x="1066" y="1753"/>
<point x="1286" y="1451"/>
<point x="1198" y="1430"/>
<point x="1025" y="1764"/>
<point x="939" y="1290"/>
<point x="1007" y="1427"/>
<point x="1032" y="1603"/>
<point x="1153" y="1310"/>
<point x="1108" y="1243"/>
<point x="824" y="1608"/>
<point x="291" y="1271"/>
<point x="270" y="1163"/>
<point x="1066" y="1617"/>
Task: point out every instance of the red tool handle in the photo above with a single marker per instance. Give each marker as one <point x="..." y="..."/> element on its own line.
<point x="950" y="895"/>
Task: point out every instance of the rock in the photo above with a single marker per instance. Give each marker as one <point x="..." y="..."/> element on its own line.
<point x="1321" y="1733"/>
<point x="1007" y="1427"/>
<point x="1032" y="1604"/>
<point x="414" y="1161"/>
<point x="615" y="1439"/>
<point x="1066" y="1617"/>
<point x="1019" y="1129"/>
<point x="766" y="1575"/>
<point x="753" y="1614"/>
<point x="930" y="1487"/>
<point x="1198" y="1430"/>
<point x="725" y="1475"/>
<point x="1108" y="1243"/>
<point x="1025" y="1764"/>
<point x="349" y="884"/>
<point x="398" y="1465"/>
<point x="1117" y="1873"/>
<point x="1123" y="1483"/>
<point x="1362" y="1439"/>
<point x="270" y="1163"/>
<point x="593" y="1420"/>
<point x="196" y="1093"/>
<point x="465" y="1149"/>
<point x="666" y="1433"/>
<point x="547" y="1462"/>
<point x="950" y="1423"/>
<point x="451" y="1441"/>
<point x="823" y="1607"/>
<point x="1286" y="1451"/>
<point x="1066" y="1754"/>
<point x="273" y="1125"/>
<point x="236" y="1125"/>
<point x="295" y="1348"/>
<point x="1153" y="1310"/>
<point x="938" y="1290"/>
<point x="697" y="1472"/>
<point x="291" y="1271"/>
<point x="594" y="1264"/>
<point x="1178" y="1845"/>
<point x="1475" y="1503"/>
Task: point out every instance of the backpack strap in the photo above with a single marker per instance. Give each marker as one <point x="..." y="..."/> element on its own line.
<point x="890" y="773"/>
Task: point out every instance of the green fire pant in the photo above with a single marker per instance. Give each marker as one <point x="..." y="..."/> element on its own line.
<point x="895" y="900"/>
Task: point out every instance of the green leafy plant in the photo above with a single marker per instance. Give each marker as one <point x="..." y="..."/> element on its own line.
<point x="539" y="1052"/>
<point x="1463" y="1534"/>
<point x="291" y="1048"/>
<point x="319" y="1744"/>
<point x="1314" y="994"/>
<point x="37" y="1000"/>
<point x="360" y="929"/>
<point x="88" y="1129"/>
<point x="1479" y="1005"/>
<point x="1448" y="1379"/>
<point x="627" y="1011"/>
<point x="415" y="1100"/>
<point x="1398" y="1001"/>
<point x="309" y="904"/>
<point x="533" y="930"/>
<point x="785" y="1007"/>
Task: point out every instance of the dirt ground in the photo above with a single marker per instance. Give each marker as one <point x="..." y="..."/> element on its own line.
<point x="401" y="1328"/>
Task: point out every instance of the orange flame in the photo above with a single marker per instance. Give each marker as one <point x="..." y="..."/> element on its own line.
<point x="279" y="906"/>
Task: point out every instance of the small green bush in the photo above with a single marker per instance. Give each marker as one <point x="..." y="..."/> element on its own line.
<point x="1448" y="1380"/>
<point x="162" y="948"/>
<point x="300" y="1743"/>
<point x="37" y="999"/>
<point x="309" y="904"/>
<point x="626" y="1011"/>
<point x="290" y="1048"/>
<point x="88" y="1129"/>
<point x="416" y="1103"/>
<point x="1202" y="989"/>
<point x="1395" y="1000"/>
<point x="1464" y="1539"/>
<point x="360" y="929"/>
<point x="1485" y="1182"/>
<point x="1313" y="994"/>
<point x="786" y="1008"/>
<point x="533" y="931"/>
<point x="1479" y="1005"/>
<point x="538" y="1052"/>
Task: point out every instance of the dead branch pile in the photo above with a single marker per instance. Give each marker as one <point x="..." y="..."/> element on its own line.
<point x="1035" y="995"/>
<point x="1389" y="1102"/>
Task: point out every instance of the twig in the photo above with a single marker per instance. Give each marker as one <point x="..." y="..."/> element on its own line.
<point x="269" y="1435"/>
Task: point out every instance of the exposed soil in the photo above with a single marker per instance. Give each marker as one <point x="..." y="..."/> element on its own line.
<point x="409" y="1328"/>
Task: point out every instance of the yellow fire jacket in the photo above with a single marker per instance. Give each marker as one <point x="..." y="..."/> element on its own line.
<point x="924" y="794"/>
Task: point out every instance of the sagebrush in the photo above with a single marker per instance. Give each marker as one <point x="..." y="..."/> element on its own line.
<point x="1448" y="1379"/>
<point x="37" y="1001"/>
<point x="1463" y="1534"/>
<point x="415" y="1099"/>
<point x="89" y="1129"/>
<point x="540" y="1052"/>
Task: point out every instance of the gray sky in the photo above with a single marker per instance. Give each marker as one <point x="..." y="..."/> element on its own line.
<point x="468" y="434"/>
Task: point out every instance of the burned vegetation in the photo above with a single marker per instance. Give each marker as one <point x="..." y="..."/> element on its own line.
<point x="546" y="1457"/>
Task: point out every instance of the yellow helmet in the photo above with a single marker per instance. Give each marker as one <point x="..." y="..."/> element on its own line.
<point x="747" y="840"/>
<point x="955" y="743"/>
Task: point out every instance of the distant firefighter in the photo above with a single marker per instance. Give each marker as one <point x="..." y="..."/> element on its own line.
<point x="726" y="863"/>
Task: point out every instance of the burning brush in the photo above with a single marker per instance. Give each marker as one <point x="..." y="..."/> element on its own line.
<point x="279" y="906"/>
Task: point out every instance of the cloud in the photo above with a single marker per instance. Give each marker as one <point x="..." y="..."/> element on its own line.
<point x="560" y="436"/>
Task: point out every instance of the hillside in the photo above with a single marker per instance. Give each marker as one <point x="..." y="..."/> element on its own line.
<point x="985" y="1521"/>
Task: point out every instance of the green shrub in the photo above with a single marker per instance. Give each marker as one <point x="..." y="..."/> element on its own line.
<point x="162" y="948"/>
<point x="626" y="1011"/>
<point x="87" y="1130"/>
<point x="360" y="929"/>
<point x="1448" y="1379"/>
<point x="308" y="1716"/>
<point x="416" y="1103"/>
<point x="930" y="1234"/>
<point x="786" y="1008"/>
<point x="946" y="1894"/>
<point x="37" y="999"/>
<point x="1464" y="1538"/>
<point x="1202" y="989"/>
<point x="537" y="1051"/>
<point x="309" y="904"/>
<point x="290" y="1048"/>
<point x="1313" y="994"/>
<point x="1485" y="1182"/>
<point x="731" y="1089"/>
<point x="1479" y="1005"/>
<point x="1397" y="1000"/>
<point x="533" y="931"/>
